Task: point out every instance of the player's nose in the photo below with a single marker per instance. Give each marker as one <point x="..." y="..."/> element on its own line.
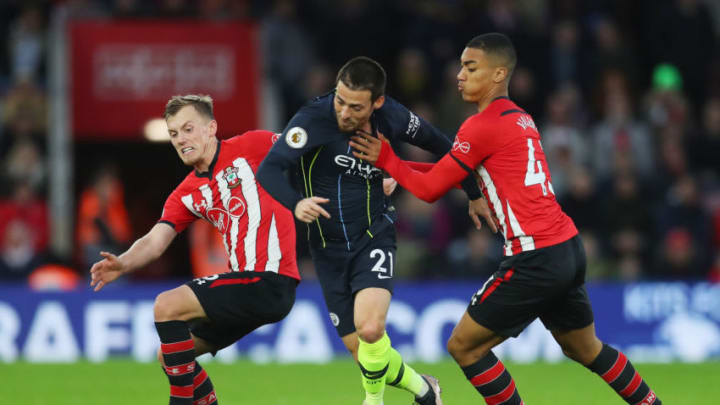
<point x="344" y="113"/>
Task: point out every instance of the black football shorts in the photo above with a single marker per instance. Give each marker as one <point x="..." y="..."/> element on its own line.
<point x="548" y="283"/>
<point x="237" y="303"/>
<point x="342" y="274"/>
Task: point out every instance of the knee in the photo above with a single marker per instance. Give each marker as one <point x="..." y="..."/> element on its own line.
<point x="580" y="356"/>
<point x="371" y="331"/>
<point x="584" y="352"/>
<point x="456" y="347"/>
<point x="165" y="308"/>
<point x="464" y="351"/>
<point x="569" y="352"/>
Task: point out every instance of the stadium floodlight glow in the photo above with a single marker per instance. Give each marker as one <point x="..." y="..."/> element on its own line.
<point x="156" y="130"/>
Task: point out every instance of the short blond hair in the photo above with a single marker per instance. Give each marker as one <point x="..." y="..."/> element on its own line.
<point x="202" y="103"/>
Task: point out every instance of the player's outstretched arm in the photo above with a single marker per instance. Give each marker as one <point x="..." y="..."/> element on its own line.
<point x="476" y="208"/>
<point x="427" y="186"/>
<point x="142" y="252"/>
<point x="371" y="153"/>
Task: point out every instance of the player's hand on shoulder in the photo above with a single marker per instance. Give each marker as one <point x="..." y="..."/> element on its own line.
<point x="105" y="271"/>
<point x="389" y="186"/>
<point x="309" y="209"/>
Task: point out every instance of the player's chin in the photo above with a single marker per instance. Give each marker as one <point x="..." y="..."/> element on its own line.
<point x="187" y="161"/>
<point x="348" y="127"/>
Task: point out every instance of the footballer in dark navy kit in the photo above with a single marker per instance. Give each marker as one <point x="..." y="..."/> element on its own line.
<point x="314" y="147"/>
<point x="350" y="220"/>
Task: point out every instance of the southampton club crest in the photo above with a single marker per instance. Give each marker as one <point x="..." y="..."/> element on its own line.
<point x="230" y="175"/>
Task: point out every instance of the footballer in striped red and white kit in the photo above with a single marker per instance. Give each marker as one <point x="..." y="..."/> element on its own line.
<point x="543" y="274"/>
<point x="210" y="313"/>
<point x="502" y="145"/>
<point x="258" y="232"/>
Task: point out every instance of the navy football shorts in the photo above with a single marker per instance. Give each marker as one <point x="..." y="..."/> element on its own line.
<point x="342" y="274"/>
<point x="548" y="283"/>
<point x="236" y="303"/>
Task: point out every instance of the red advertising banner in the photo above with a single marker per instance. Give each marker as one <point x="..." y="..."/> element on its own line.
<point x="124" y="72"/>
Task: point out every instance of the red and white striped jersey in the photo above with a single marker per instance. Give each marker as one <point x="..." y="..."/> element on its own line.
<point x="502" y="145"/>
<point x="258" y="232"/>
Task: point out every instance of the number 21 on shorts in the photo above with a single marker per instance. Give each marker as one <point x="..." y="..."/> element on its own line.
<point x="383" y="272"/>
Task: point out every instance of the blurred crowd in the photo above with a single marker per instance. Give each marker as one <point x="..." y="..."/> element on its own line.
<point x="626" y="95"/>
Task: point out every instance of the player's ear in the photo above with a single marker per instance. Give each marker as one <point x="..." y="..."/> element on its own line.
<point x="500" y="74"/>
<point x="212" y="127"/>
<point x="379" y="102"/>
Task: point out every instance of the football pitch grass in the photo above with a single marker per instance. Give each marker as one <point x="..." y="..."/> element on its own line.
<point x="127" y="382"/>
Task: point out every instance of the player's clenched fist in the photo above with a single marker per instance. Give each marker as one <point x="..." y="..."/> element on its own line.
<point x="105" y="271"/>
<point x="309" y="209"/>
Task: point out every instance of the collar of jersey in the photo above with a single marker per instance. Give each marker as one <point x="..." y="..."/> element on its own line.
<point x="209" y="172"/>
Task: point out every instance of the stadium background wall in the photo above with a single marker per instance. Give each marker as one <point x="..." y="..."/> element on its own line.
<point x="651" y="322"/>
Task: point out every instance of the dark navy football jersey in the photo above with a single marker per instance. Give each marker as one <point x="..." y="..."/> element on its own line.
<point x="316" y="154"/>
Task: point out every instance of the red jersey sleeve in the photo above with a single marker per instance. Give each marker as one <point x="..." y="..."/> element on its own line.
<point x="425" y="167"/>
<point x="473" y="143"/>
<point x="175" y="213"/>
<point x="422" y="167"/>
<point x="427" y="186"/>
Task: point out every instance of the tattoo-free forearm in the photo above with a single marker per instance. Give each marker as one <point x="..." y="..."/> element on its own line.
<point x="147" y="249"/>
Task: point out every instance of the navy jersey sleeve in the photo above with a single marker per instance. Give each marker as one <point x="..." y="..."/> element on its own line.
<point x="302" y="134"/>
<point x="402" y="124"/>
